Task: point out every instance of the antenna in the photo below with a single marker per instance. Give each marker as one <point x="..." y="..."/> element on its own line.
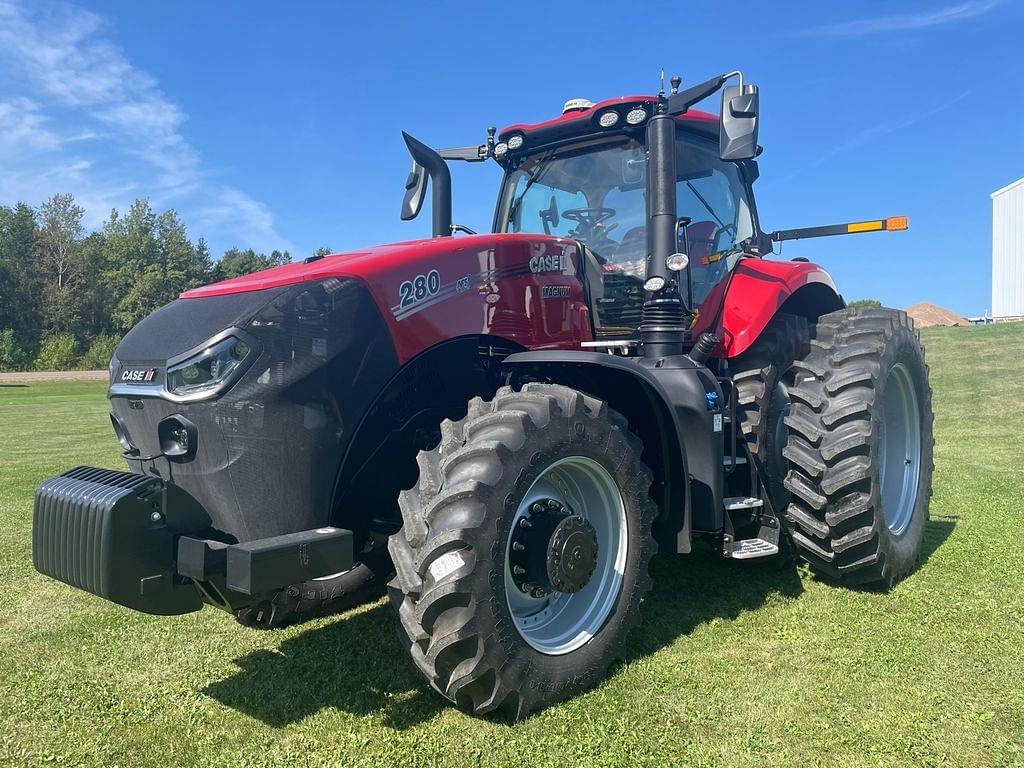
<point x="661" y="91"/>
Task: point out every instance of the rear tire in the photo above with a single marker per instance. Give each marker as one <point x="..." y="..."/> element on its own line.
<point x="761" y="379"/>
<point x="476" y="638"/>
<point x="860" y="447"/>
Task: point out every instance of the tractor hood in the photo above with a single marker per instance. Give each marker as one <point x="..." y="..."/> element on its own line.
<point x="426" y="291"/>
<point x="371" y="263"/>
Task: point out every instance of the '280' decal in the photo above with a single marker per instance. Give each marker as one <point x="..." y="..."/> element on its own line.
<point x="419" y="288"/>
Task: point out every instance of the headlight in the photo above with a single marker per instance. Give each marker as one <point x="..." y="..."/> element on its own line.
<point x="208" y="370"/>
<point x="636" y="116"/>
<point x="677" y="261"/>
<point x="608" y="119"/>
<point x="112" y="367"/>
<point x="515" y="142"/>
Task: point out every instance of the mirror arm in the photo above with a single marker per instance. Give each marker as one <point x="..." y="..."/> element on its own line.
<point x="471" y="154"/>
<point x="680" y="102"/>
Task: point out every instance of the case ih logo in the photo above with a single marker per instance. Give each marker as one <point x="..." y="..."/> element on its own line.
<point x="546" y="263"/>
<point x="138" y="375"/>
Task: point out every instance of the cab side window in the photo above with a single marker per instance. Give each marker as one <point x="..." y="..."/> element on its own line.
<point x="711" y="194"/>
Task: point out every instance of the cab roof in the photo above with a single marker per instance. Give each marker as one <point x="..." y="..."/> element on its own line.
<point x="582" y="121"/>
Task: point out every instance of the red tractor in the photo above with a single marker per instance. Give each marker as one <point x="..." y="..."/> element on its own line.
<point x="511" y="424"/>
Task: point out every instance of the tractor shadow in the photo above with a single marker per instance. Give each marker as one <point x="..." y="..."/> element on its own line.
<point x="356" y="663"/>
<point x="691" y="590"/>
<point x="936" y="531"/>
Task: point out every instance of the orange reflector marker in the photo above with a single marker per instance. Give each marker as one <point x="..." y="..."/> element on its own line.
<point x="865" y="226"/>
<point x="893" y="223"/>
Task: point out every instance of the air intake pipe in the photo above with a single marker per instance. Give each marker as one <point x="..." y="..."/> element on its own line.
<point x="664" y="323"/>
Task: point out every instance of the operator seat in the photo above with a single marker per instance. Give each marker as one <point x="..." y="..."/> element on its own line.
<point x="701" y="238"/>
<point x="633" y="246"/>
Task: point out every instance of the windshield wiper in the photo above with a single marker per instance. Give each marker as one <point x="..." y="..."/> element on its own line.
<point x="704" y="202"/>
<point x="513" y="210"/>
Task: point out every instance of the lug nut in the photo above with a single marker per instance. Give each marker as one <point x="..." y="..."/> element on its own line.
<point x="518" y="570"/>
<point x="524" y="523"/>
<point x="517" y="547"/>
<point x="156" y="517"/>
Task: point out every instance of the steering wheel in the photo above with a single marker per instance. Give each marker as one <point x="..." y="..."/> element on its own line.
<point x="589" y="217"/>
<point x="589" y="226"/>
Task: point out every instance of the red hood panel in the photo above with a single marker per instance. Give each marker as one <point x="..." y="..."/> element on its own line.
<point x="366" y="263"/>
<point x="526" y="289"/>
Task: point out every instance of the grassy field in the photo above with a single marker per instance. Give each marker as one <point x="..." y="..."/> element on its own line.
<point x="732" y="666"/>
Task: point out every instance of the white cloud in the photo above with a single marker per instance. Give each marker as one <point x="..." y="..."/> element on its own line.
<point x="77" y="116"/>
<point x="866" y="137"/>
<point x="925" y="19"/>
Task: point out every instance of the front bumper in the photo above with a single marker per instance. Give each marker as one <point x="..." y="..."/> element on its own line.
<point x="142" y="543"/>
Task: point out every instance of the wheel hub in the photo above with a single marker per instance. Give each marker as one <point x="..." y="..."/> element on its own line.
<point x="553" y="550"/>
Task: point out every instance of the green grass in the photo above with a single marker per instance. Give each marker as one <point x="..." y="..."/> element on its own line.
<point x="732" y="666"/>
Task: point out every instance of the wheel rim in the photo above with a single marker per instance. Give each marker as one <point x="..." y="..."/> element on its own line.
<point x="899" y="449"/>
<point x="559" y="622"/>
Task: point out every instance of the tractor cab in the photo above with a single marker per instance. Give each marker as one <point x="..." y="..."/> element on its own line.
<point x="594" y="190"/>
<point x="657" y="194"/>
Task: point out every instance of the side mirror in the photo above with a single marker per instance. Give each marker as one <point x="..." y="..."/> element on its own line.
<point x="415" y="186"/>
<point x="737" y="138"/>
<point x="427" y="163"/>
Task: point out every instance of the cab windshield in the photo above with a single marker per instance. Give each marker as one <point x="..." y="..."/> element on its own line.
<point x="595" y="192"/>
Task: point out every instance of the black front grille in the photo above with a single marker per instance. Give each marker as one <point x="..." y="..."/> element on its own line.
<point x="268" y="449"/>
<point x="622" y="303"/>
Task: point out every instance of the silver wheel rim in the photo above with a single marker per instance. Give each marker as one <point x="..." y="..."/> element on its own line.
<point x="899" y="449"/>
<point x="560" y="623"/>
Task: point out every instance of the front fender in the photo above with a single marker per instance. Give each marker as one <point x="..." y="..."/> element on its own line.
<point x="666" y="405"/>
<point x="756" y="290"/>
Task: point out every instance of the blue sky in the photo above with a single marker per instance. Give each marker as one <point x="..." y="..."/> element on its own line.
<point x="278" y="125"/>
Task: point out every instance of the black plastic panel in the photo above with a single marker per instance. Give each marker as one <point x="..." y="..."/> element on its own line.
<point x="260" y="566"/>
<point x="269" y="448"/>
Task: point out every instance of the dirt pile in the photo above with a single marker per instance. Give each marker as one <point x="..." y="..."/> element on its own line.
<point x="926" y="314"/>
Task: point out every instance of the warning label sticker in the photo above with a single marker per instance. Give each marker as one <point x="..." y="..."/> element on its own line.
<point x="445" y="565"/>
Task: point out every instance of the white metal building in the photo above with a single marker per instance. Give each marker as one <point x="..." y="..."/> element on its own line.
<point x="1008" y="252"/>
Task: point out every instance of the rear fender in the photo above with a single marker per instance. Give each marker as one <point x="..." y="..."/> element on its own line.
<point x="756" y="291"/>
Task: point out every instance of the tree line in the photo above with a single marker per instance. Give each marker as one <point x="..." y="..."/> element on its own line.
<point x="67" y="296"/>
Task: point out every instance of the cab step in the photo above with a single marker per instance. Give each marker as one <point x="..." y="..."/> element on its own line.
<point x="750" y="549"/>
<point x="735" y="503"/>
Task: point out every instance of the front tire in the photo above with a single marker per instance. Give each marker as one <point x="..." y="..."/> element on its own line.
<point x="501" y="615"/>
<point x="860" y="447"/>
